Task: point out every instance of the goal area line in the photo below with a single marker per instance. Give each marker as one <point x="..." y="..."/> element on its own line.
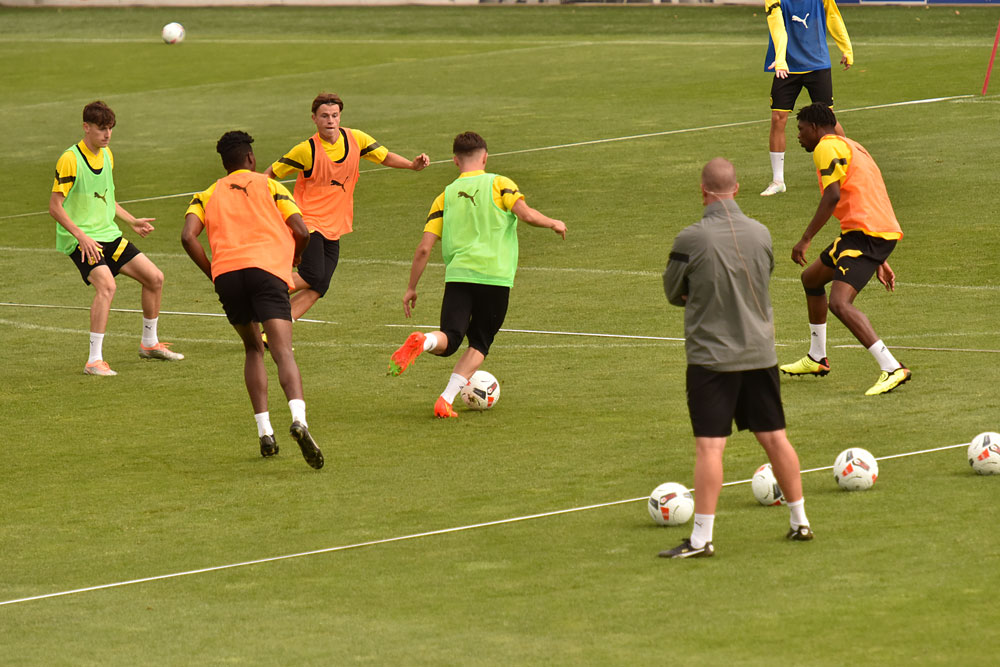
<point x="401" y="538"/>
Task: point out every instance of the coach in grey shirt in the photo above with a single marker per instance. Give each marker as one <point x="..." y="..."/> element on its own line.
<point x="718" y="271"/>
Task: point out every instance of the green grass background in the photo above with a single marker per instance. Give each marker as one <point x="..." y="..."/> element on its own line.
<point x="156" y="471"/>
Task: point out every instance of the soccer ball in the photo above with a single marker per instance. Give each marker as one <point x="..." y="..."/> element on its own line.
<point x="671" y="504"/>
<point x="765" y="487"/>
<point x="855" y="469"/>
<point x="984" y="453"/>
<point x="172" y="33"/>
<point x="481" y="392"/>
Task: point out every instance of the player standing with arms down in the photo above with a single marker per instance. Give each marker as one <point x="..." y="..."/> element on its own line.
<point x="476" y="220"/>
<point x="854" y="193"/>
<point x="798" y="54"/>
<point x="256" y="234"/>
<point x="327" y="167"/>
<point x="718" y="271"/>
<point x="83" y="203"/>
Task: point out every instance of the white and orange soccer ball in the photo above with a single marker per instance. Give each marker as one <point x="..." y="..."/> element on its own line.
<point x="172" y="33"/>
<point x="855" y="469"/>
<point x="984" y="453"/>
<point x="481" y="392"/>
<point x="671" y="504"/>
<point x="765" y="487"/>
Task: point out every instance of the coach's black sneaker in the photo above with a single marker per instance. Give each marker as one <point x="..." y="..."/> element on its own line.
<point x="310" y="450"/>
<point x="800" y="534"/>
<point x="685" y="550"/>
<point x="268" y="446"/>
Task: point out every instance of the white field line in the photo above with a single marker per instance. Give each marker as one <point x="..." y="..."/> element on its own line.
<point x="592" y="142"/>
<point x="389" y="540"/>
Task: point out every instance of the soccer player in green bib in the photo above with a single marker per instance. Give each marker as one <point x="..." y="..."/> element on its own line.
<point x="83" y="203"/>
<point x="476" y="220"/>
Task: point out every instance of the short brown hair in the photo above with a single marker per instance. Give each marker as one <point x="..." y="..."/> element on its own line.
<point x="327" y="98"/>
<point x="468" y="143"/>
<point x="100" y="114"/>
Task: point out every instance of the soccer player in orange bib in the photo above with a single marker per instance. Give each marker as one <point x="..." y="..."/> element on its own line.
<point x="852" y="191"/>
<point x="327" y="167"/>
<point x="256" y="234"/>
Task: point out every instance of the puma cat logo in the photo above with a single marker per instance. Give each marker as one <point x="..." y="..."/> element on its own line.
<point x="335" y="182"/>
<point x="471" y="197"/>
<point x="796" y="19"/>
<point x="101" y="197"/>
<point x="242" y="188"/>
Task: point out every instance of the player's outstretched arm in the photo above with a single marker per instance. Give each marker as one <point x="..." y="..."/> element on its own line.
<point x="397" y="161"/>
<point x="141" y="226"/>
<point x="420" y="257"/>
<point x="193" y="227"/>
<point x="536" y="218"/>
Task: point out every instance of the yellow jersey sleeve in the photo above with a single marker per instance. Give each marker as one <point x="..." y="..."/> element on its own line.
<point x="505" y="193"/>
<point x="776" y="26"/>
<point x="370" y="149"/>
<point x="435" y="218"/>
<point x="835" y="25"/>
<point x="65" y="173"/>
<point x="198" y="203"/>
<point x="832" y="157"/>
<point x="283" y="198"/>
<point x="298" y="159"/>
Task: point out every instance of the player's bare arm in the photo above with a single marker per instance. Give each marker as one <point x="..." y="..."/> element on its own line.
<point x="140" y="226"/>
<point x="301" y="234"/>
<point x="420" y="257"/>
<point x="886" y="276"/>
<point x="831" y="195"/>
<point x="397" y="161"/>
<point x="89" y="248"/>
<point x="535" y="218"/>
<point x="193" y="226"/>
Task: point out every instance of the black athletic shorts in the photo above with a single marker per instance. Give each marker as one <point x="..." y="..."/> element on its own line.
<point x="473" y="310"/>
<point x="855" y="257"/>
<point x="752" y="398"/>
<point x="785" y="91"/>
<point x="114" y="255"/>
<point x="253" y="295"/>
<point x="319" y="261"/>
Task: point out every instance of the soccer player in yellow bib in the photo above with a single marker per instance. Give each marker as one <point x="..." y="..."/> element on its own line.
<point x="326" y="165"/>
<point x="84" y="206"/>
<point x="475" y="219"/>
<point x="854" y="193"/>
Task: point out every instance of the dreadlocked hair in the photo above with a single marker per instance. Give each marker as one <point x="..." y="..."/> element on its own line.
<point x="817" y="114"/>
<point x="234" y="146"/>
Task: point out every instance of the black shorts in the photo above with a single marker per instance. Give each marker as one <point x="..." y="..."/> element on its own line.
<point x="752" y="398"/>
<point x="319" y="261"/>
<point x="785" y="91"/>
<point x="253" y="295"/>
<point x="114" y="255"/>
<point x="855" y="257"/>
<point x="473" y="310"/>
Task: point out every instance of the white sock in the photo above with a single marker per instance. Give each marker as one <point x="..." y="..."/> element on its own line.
<point x="455" y="384"/>
<point x="817" y="341"/>
<point x="883" y="357"/>
<point x="96" y="344"/>
<point x="702" y="531"/>
<point x="778" y="167"/>
<point x="430" y="342"/>
<point x="798" y="513"/>
<point x="298" y="408"/>
<point x="263" y="420"/>
<point x="149" y="338"/>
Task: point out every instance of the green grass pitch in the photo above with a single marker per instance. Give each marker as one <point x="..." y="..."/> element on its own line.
<point x="156" y="471"/>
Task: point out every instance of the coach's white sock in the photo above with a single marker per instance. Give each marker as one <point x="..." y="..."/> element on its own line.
<point x="298" y="408"/>
<point x="778" y="167"/>
<point x="430" y="342"/>
<point x="455" y="384"/>
<point x="702" y="531"/>
<point x="797" y="516"/>
<point x="817" y="341"/>
<point x="96" y="344"/>
<point x="883" y="357"/>
<point x="263" y="420"/>
<point x="149" y="338"/>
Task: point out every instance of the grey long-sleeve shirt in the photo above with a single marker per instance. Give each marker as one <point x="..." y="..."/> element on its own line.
<point x="723" y="265"/>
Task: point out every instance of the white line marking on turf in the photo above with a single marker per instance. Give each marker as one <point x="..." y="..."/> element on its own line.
<point x="389" y="540"/>
<point x="929" y="100"/>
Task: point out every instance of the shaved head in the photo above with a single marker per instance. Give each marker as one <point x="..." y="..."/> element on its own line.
<point x="719" y="177"/>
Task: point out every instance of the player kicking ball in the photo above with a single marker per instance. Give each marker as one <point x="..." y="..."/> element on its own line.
<point x="476" y="220"/>
<point x="852" y="191"/>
